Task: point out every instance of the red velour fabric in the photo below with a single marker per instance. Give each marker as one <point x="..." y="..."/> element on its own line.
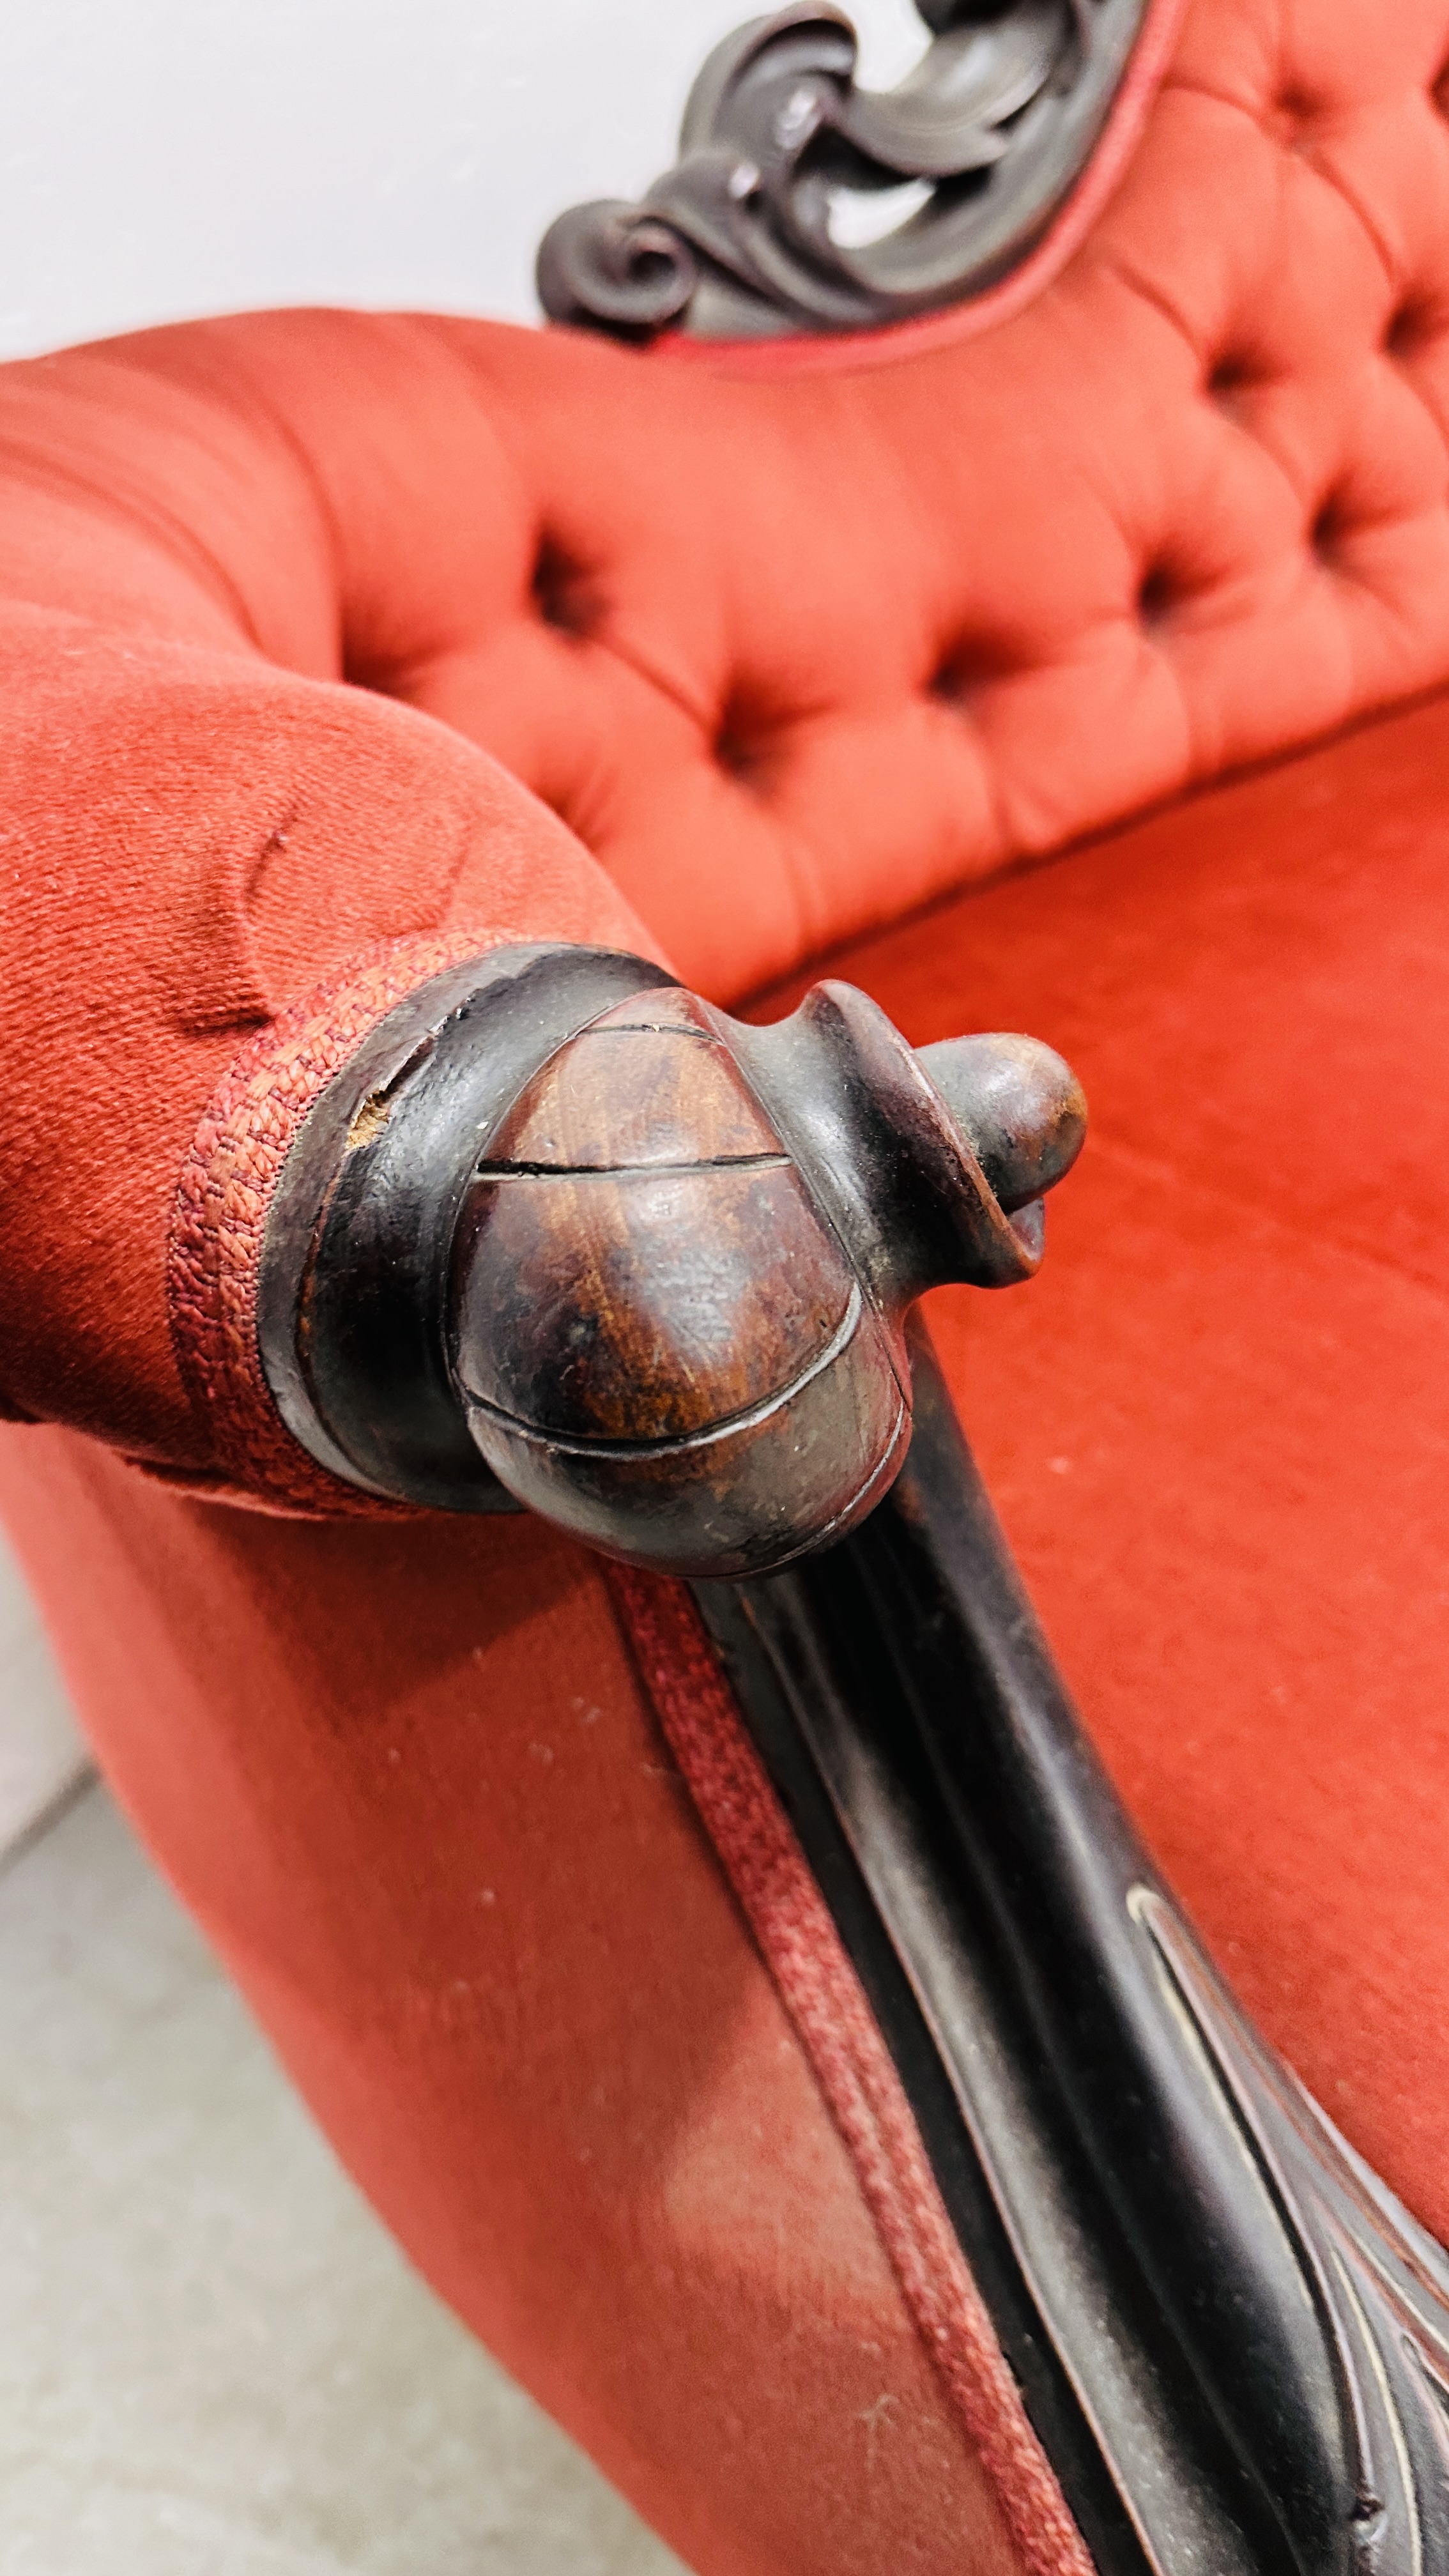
<point x="791" y="1921"/>
<point x="1216" y="1426"/>
<point x="219" y="1222"/>
<point x="192" y="839"/>
<point x="790" y="653"/>
<point x="306" y="623"/>
<point x="405" y="1777"/>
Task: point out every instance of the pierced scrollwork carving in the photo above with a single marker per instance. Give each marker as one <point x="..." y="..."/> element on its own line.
<point x="801" y="202"/>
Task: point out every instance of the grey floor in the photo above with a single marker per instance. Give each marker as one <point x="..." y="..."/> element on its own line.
<point x="212" y="2360"/>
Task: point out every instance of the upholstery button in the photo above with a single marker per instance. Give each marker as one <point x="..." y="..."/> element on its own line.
<point x="1327" y="531"/>
<point x="745" y="740"/>
<point x="565" y="592"/>
<point x="973" y="662"/>
<point x="1232" y="375"/>
<point x="1410" y="330"/>
<point x="1160" y="590"/>
<point x="1291" y="118"/>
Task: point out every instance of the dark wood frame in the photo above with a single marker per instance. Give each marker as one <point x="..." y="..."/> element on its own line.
<point x="1231" y="2339"/>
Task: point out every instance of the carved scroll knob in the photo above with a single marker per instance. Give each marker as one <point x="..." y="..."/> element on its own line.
<point x="637" y="1265"/>
<point x="1021" y="1106"/>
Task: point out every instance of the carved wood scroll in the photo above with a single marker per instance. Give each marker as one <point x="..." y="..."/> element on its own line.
<point x="562" y="1232"/>
<point x="801" y="202"/>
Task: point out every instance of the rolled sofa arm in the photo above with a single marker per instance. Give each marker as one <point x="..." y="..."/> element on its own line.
<point x="561" y="1233"/>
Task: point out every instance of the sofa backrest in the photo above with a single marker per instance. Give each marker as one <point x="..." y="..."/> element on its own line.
<point x="796" y="638"/>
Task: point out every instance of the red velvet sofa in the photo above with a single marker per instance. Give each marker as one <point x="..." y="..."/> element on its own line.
<point x="1075" y="663"/>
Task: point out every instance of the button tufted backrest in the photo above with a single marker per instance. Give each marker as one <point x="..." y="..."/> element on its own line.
<point x="795" y="638"/>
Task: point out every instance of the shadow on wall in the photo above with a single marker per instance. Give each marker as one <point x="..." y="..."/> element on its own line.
<point x="42" y="1754"/>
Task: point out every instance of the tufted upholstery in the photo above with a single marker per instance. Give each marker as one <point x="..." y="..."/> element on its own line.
<point x="839" y="636"/>
<point x="791" y="640"/>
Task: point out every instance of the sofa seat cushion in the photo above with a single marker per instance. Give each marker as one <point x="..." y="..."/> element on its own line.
<point x="1217" y="1426"/>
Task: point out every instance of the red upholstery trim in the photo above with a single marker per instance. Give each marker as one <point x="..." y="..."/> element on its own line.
<point x="221" y="1207"/>
<point x="847" y="352"/>
<point x="825" y="2000"/>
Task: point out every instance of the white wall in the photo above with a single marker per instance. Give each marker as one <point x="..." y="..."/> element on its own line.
<point x="160" y="158"/>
